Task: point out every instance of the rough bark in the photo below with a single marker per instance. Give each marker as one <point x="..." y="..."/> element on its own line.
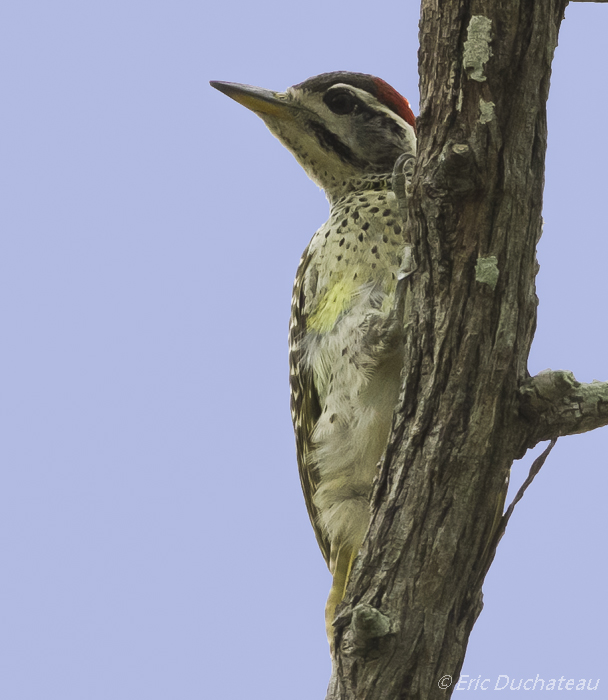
<point x="468" y="407"/>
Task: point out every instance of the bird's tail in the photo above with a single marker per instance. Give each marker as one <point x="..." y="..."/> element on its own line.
<point x="340" y="567"/>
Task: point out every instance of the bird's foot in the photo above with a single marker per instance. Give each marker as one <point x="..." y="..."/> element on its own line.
<point x="402" y="173"/>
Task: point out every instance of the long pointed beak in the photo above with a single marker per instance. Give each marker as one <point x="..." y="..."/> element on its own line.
<point x="254" y="98"/>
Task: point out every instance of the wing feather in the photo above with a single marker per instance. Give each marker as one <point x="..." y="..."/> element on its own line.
<point x="305" y="404"/>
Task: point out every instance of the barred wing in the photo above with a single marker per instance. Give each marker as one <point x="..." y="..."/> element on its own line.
<point x="305" y="405"/>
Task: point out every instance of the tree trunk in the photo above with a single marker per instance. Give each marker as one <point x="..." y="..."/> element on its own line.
<point x="468" y="407"/>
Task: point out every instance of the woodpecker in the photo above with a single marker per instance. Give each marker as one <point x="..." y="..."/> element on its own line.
<point x="354" y="135"/>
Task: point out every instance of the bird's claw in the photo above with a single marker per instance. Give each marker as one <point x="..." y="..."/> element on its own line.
<point x="402" y="172"/>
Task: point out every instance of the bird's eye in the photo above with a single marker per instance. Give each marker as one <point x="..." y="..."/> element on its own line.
<point x="340" y="102"/>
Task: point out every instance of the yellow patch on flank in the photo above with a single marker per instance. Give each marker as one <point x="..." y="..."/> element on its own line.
<point x="332" y="304"/>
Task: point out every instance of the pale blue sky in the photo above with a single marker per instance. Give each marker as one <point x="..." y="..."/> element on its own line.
<point x="154" y="539"/>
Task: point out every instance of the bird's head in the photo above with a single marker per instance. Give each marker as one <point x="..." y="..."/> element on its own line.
<point x="340" y="126"/>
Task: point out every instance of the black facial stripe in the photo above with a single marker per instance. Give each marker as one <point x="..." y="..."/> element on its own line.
<point x="330" y="142"/>
<point x="394" y="126"/>
<point x="368" y="113"/>
<point x="388" y="122"/>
